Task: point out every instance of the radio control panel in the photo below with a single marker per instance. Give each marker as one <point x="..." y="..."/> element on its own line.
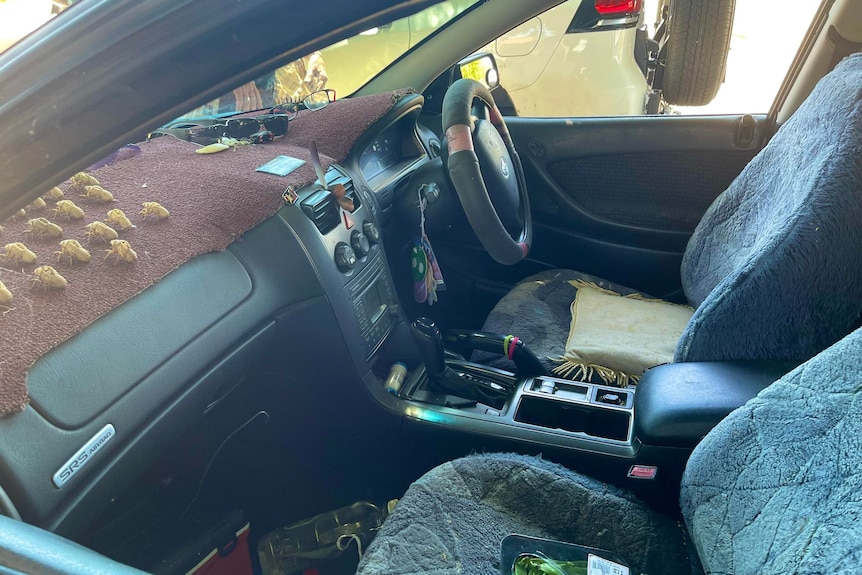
<point x="373" y="301"/>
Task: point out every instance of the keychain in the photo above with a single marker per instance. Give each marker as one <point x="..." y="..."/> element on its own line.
<point x="425" y="271"/>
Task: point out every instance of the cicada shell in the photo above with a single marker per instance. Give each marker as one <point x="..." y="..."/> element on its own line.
<point x="43" y="227"/>
<point x="82" y="179"/>
<point x="101" y="231"/>
<point x="121" y="249"/>
<point x="5" y="295"/>
<point x="21" y="213"/>
<point x="99" y="193"/>
<point x="36" y="205"/>
<point x="49" y="278"/>
<point x="19" y="252"/>
<point x="154" y="209"/>
<point x="73" y="250"/>
<point x="119" y="219"/>
<point x="53" y="194"/>
<point x="69" y="209"/>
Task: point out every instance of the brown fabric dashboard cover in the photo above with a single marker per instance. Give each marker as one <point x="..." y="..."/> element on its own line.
<point x="212" y="199"/>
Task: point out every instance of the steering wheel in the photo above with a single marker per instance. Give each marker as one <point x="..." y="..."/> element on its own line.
<point x="486" y="172"/>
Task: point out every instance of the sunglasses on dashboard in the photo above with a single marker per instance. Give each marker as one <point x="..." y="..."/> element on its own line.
<point x="240" y="128"/>
<point x="257" y="129"/>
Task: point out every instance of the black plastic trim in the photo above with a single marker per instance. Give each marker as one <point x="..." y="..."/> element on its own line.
<point x="677" y="404"/>
<point x="174" y="391"/>
<point x="550" y="140"/>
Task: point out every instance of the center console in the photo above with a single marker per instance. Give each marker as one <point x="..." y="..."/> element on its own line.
<point x="585" y="409"/>
<point x="641" y="430"/>
<point x="555" y="412"/>
<point x="345" y="247"/>
<point x="373" y="301"/>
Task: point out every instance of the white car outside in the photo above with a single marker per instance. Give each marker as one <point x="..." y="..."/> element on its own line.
<point x="548" y="70"/>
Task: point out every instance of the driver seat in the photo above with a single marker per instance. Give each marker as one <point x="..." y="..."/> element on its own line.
<point x="774" y="268"/>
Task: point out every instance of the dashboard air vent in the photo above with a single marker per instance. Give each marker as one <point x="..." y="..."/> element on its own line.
<point x="320" y="207"/>
<point x="334" y="177"/>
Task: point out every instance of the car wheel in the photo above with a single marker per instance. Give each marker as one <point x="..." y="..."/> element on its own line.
<point x="698" y="39"/>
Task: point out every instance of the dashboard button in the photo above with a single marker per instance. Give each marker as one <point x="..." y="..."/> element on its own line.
<point x="345" y="257"/>
<point x="359" y="243"/>
<point x="371" y="232"/>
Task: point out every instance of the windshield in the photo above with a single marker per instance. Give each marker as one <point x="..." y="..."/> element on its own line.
<point x="341" y="68"/>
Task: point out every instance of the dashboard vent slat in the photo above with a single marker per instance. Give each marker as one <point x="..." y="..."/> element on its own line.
<point x="320" y="207"/>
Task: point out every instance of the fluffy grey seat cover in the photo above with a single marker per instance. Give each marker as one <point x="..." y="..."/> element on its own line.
<point x="774" y="268"/>
<point x="776" y="487"/>
<point x="453" y="519"/>
<point x="537" y="310"/>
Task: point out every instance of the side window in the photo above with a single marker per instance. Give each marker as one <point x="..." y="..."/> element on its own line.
<point x="634" y="57"/>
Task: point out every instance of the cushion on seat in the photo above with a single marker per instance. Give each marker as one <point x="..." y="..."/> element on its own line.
<point x="776" y="487"/>
<point x="537" y="311"/>
<point x="454" y="518"/>
<point x="774" y="268"/>
<point x="620" y="337"/>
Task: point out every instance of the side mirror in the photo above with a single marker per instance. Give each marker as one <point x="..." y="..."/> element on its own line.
<point x="481" y="67"/>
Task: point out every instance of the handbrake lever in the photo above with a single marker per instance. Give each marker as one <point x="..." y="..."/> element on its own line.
<point x="526" y="361"/>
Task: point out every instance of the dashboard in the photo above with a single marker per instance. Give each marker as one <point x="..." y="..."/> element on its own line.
<point x="325" y="289"/>
<point x="381" y="154"/>
<point x="389" y="157"/>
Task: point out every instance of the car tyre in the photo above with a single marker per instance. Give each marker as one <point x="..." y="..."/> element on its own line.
<point x="697" y="46"/>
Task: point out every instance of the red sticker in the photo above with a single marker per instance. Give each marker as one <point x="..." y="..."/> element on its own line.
<point x="643" y="472"/>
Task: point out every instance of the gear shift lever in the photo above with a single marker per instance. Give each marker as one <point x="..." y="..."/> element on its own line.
<point x="428" y="338"/>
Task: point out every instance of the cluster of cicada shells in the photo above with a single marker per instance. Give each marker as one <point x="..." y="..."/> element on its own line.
<point x="71" y="250"/>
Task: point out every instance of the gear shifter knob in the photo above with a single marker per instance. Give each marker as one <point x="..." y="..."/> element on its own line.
<point x="428" y="338"/>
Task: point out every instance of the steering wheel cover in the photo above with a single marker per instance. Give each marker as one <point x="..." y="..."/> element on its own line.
<point x="466" y="175"/>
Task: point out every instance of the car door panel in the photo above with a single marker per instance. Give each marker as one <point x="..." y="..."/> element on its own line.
<point x="619" y="197"/>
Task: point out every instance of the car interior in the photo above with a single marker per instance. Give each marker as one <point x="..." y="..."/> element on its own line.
<point x="268" y="354"/>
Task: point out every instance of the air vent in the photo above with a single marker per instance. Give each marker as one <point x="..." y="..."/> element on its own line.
<point x="334" y="177"/>
<point x="320" y="207"/>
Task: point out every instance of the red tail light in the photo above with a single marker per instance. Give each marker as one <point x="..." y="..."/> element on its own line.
<point x="618" y="7"/>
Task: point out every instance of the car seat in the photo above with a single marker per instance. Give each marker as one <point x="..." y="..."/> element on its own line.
<point x="772" y="269"/>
